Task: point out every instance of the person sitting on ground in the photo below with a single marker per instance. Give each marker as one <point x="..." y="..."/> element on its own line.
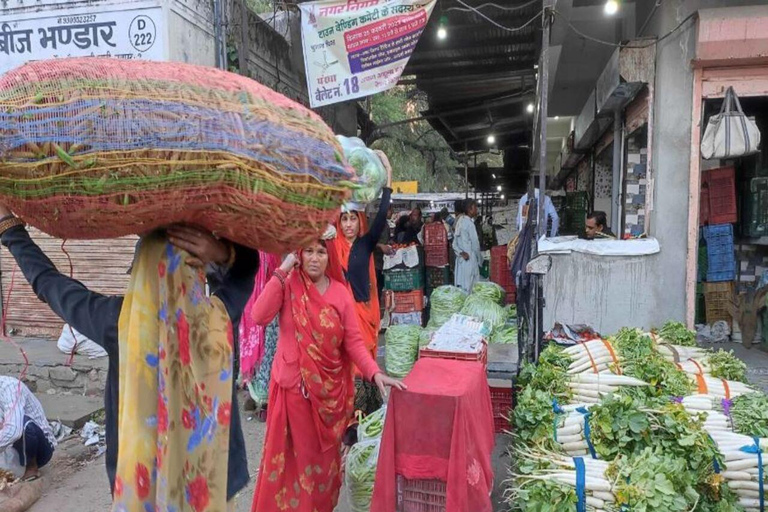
<point x="597" y="227"/>
<point x="24" y="428"/>
<point x="180" y="254"/>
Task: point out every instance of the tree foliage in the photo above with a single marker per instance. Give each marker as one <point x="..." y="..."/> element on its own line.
<point x="417" y="152"/>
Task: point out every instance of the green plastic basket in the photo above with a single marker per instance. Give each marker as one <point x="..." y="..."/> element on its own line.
<point x="404" y="280"/>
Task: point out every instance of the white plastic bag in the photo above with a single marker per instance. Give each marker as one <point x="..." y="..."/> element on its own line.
<point x="362" y="459"/>
<point x="71" y="340"/>
<point x="730" y="133"/>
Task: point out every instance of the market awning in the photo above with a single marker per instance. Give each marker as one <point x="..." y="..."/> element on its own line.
<point x="480" y="78"/>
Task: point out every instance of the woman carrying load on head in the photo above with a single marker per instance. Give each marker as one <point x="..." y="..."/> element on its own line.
<point x="173" y="432"/>
<point x="351" y="261"/>
<point x="312" y="393"/>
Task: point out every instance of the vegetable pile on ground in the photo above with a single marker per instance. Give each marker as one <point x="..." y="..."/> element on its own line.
<point x="637" y="423"/>
<point x="486" y="304"/>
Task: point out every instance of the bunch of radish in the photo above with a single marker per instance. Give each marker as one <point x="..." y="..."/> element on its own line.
<point x="594" y="356"/>
<point x="571" y="433"/>
<point x="711" y="407"/>
<point x="742" y="469"/>
<point x="590" y="388"/>
<point x="719" y="388"/>
<point x="598" y="490"/>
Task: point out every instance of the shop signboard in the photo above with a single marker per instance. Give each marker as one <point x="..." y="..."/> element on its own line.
<point x="96" y="31"/>
<point x="356" y="48"/>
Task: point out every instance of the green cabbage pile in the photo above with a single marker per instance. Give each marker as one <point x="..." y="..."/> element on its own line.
<point x="484" y="309"/>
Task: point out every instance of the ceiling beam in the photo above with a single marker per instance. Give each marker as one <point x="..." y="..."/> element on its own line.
<point x="469" y="66"/>
<point x="493" y="74"/>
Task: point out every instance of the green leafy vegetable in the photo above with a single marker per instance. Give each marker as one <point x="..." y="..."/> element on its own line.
<point x="370" y="171"/>
<point x="676" y="333"/>
<point x="749" y="414"/>
<point x="506" y="334"/>
<point x="484" y="310"/>
<point x="725" y="365"/>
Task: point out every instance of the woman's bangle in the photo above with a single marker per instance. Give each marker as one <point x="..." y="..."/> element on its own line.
<point x="9" y="222"/>
<point x="281" y="276"/>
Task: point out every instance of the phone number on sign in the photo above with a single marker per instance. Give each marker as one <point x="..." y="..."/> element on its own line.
<point x="77" y="20"/>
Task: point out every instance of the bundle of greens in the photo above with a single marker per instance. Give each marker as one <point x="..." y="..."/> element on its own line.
<point x="676" y="333"/>
<point x="506" y="334"/>
<point x="749" y="414"/>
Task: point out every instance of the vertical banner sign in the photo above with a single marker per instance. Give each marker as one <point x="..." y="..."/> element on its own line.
<point x="355" y="48"/>
<point x="93" y="32"/>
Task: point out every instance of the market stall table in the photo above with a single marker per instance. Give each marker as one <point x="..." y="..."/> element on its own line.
<point x="441" y="428"/>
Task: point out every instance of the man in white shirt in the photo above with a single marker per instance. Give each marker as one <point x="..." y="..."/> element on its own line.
<point x="549" y="213"/>
<point x="24" y="428"/>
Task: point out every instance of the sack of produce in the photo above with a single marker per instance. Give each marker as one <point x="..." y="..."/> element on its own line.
<point x="402" y="349"/>
<point x="485" y="310"/>
<point x="490" y="291"/>
<point x="445" y="302"/>
<point x="360" y="473"/>
<point x="426" y="336"/>
<point x="101" y="148"/>
<point x="371" y="173"/>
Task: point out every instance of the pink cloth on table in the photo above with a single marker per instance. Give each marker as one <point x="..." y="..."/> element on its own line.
<point x="441" y="428"/>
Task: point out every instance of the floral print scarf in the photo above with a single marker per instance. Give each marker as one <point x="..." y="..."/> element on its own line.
<point x="176" y="350"/>
<point x="326" y="372"/>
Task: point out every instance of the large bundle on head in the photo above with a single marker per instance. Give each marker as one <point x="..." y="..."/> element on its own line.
<point x="100" y="148"/>
<point x="370" y="171"/>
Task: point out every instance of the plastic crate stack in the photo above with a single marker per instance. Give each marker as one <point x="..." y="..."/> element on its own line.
<point x="501" y="274"/>
<point x="717" y="252"/>
<point x="436" y="256"/>
<point x="574" y="213"/>
<point x="404" y="289"/>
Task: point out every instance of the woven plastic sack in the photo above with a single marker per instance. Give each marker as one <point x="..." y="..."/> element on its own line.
<point x="370" y="171"/>
<point x="101" y="148"/>
<point x="445" y="302"/>
<point x="360" y="473"/>
<point x="402" y="349"/>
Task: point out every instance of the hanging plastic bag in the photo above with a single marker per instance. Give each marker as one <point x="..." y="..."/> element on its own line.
<point x="360" y="473"/>
<point x="9" y="461"/>
<point x="730" y="133"/>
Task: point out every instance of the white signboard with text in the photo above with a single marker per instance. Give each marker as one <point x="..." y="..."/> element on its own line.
<point x="138" y="33"/>
<point x="355" y="48"/>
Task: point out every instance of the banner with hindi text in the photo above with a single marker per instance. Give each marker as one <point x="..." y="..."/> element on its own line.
<point x="356" y="48"/>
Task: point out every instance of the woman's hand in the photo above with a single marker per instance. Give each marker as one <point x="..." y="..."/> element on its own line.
<point x="201" y="245"/>
<point x="289" y="263"/>
<point x="384" y="381"/>
<point x="387" y="166"/>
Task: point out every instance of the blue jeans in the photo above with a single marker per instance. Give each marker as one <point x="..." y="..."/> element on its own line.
<point x="33" y="446"/>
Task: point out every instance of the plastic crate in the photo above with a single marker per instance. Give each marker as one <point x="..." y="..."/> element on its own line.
<point x="722" y="195"/>
<point x="436" y="255"/>
<point x="404" y="280"/>
<point x="501" y="401"/>
<point x="721" y="255"/>
<point x="755" y="209"/>
<point x="702" y="264"/>
<point x="703" y="205"/>
<point x="576" y="200"/>
<point x="717" y="298"/>
<point x="500" y="272"/>
<point x="408" y="302"/>
<point x="701" y="306"/>
<point x="437" y="276"/>
<point x="435" y="234"/>
<point x="481" y="356"/>
<point x="420" y="495"/>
